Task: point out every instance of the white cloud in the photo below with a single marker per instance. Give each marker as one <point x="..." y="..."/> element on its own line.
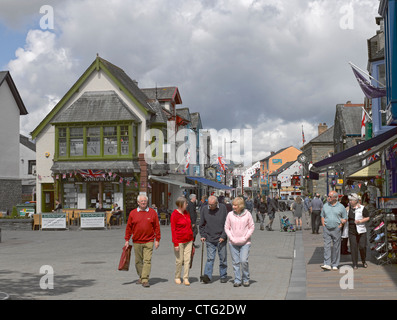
<point x="42" y="72"/>
<point x="246" y="62"/>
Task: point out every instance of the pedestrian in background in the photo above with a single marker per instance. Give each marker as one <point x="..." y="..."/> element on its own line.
<point x="333" y="216"/>
<point x="297" y="210"/>
<point x="143" y="224"/>
<point x="357" y="217"/>
<point x="307" y="211"/>
<point x="345" y="232"/>
<point x="191" y="208"/>
<point x="212" y="231"/>
<point x="182" y="238"/>
<point x="316" y="208"/>
<point x="262" y="209"/>
<point x="239" y="227"/>
<point x="272" y="208"/>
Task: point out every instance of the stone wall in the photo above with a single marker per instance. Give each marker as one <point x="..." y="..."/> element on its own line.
<point x="10" y="194"/>
<point x="16" y="224"/>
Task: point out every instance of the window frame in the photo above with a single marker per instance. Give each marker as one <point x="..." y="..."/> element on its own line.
<point x="132" y="145"/>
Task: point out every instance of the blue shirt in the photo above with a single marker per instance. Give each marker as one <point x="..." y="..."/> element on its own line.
<point x="333" y="214"/>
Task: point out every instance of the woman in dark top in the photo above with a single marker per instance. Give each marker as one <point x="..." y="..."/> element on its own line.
<point x="345" y="233"/>
<point x="357" y="217"/>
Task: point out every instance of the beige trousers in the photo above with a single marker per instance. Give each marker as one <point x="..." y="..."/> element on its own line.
<point x="143" y="260"/>
<point x="183" y="258"/>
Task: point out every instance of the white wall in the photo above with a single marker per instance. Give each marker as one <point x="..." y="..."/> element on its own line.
<point x="9" y="134"/>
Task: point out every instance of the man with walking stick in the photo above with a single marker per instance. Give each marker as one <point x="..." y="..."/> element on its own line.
<point x="212" y="231"/>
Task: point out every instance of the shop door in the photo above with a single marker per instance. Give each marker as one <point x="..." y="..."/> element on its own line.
<point x="93" y="194"/>
<point x="48" y="203"/>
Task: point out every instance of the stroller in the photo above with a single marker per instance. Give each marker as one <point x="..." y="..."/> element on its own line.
<point x="285" y="225"/>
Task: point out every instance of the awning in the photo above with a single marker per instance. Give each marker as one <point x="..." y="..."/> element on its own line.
<point x="369" y="171"/>
<point x="116" y="166"/>
<point x="167" y="180"/>
<point x="380" y="141"/>
<point x="210" y="183"/>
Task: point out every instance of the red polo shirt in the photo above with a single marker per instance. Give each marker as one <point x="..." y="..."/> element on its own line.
<point x="181" y="227"/>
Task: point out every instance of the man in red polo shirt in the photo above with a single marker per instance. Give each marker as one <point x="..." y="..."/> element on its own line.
<point x="143" y="225"/>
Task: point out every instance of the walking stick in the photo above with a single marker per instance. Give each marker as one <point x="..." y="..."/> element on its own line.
<point x="202" y="255"/>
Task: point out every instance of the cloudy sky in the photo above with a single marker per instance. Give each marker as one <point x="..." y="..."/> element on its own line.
<point x="272" y="66"/>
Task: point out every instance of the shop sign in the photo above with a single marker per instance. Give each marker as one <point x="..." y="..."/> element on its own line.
<point x="387" y="203"/>
<point x="53" y="221"/>
<point x="92" y="220"/>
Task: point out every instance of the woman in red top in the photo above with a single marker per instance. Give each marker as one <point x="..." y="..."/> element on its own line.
<point x="182" y="237"/>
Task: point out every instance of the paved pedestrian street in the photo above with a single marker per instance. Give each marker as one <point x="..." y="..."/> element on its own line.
<point x="283" y="266"/>
<point x="84" y="264"/>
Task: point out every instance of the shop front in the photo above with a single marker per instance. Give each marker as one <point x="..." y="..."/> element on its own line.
<point x="91" y="184"/>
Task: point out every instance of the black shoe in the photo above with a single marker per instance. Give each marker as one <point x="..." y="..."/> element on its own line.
<point x="223" y="280"/>
<point x="206" y="279"/>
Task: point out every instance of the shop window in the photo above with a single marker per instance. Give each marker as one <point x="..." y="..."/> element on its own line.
<point x="62" y="146"/>
<point x="110" y="140"/>
<point x="93" y="141"/>
<point x="124" y="140"/>
<point x="76" y="141"/>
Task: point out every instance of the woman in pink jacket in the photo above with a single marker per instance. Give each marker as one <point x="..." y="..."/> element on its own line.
<point x="239" y="227"/>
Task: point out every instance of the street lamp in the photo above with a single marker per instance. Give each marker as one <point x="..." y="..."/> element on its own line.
<point x="224" y="140"/>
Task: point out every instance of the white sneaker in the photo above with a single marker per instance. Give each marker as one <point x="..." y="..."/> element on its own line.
<point x="335" y="268"/>
<point x="326" y="267"/>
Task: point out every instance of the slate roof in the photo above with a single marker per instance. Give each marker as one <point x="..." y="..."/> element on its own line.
<point x="163" y="93"/>
<point x="97" y="106"/>
<point x="349" y="119"/>
<point x="26" y="142"/>
<point x="196" y="120"/>
<point x="326" y="137"/>
<point x="184" y="113"/>
<point x="160" y="115"/>
<point x="128" y="83"/>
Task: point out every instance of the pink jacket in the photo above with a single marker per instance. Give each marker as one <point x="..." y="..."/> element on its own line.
<point x="239" y="228"/>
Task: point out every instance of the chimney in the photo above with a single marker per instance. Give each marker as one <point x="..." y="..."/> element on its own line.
<point x="322" y="127"/>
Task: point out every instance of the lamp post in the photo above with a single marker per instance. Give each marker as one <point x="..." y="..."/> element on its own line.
<point x="224" y="143"/>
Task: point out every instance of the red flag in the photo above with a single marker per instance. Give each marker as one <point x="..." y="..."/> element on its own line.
<point x="303" y="136"/>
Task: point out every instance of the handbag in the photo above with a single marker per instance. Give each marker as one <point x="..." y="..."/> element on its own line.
<point x="124" y="263"/>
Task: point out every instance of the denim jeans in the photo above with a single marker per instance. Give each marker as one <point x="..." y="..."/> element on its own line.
<point x="222" y="252"/>
<point x="240" y="259"/>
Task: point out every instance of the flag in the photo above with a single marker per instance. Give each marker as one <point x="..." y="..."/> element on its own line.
<point x="364" y="119"/>
<point x="187" y="159"/>
<point x="91" y="173"/>
<point x="303" y="136"/>
<point x="369" y="90"/>
<point x="222" y="163"/>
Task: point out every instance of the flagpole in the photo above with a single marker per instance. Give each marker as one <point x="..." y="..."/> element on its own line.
<point x="366" y="73"/>
<point x="370" y="118"/>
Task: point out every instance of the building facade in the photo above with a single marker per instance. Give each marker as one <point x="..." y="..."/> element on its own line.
<point x="12" y="107"/>
<point x="91" y="148"/>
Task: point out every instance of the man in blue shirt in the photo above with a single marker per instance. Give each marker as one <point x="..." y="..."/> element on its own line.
<point x="333" y="216"/>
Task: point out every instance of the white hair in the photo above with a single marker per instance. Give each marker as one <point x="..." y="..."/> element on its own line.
<point x="142" y="195"/>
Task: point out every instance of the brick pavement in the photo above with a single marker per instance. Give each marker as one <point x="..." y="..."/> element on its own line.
<point x="85" y="267"/>
<point x="309" y="281"/>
